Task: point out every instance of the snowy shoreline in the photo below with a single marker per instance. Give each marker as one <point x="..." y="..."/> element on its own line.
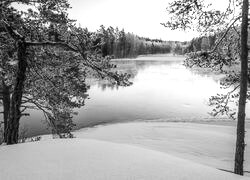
<point x="209" y="121"/>
<point x="132" y="150"/>
<point x="207" y="144"/>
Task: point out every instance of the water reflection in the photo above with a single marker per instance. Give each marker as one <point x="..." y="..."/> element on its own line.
<point x="132" y="67"/>
<point x="105" y="86"/>
<point x="162" y="89"/>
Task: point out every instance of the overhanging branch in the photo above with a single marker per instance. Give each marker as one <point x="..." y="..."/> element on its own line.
<point x="49" y="43"/>
<point x="224" y="35"/>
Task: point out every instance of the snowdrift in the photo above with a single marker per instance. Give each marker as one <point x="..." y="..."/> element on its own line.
<point x="85" y="159"/>
<point x="210" y="145"/>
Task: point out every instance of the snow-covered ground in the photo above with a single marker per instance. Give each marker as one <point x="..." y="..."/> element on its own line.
<point x="126" y="151"/>
<point x="211" y="145"/>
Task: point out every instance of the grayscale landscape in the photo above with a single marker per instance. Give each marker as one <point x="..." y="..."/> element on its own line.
<point x="114" y="89"/>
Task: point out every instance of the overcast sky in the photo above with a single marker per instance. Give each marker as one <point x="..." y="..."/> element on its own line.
<point x="142" y="17"/>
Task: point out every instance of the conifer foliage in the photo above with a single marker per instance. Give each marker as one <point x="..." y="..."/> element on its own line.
<point x="45" y="60"/>
<point x="222" y="47"/>
<point x="119" y="44"/>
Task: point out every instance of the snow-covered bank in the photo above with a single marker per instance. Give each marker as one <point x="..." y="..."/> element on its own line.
<point x="135" y="150"/>
<point x="211" y="145"/>
<point x="82" y="159"/>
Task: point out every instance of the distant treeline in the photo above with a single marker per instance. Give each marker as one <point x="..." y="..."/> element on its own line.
<point x="203" y="43"/>
<point x="229" y="44"/>
<point x="119" y="44"/>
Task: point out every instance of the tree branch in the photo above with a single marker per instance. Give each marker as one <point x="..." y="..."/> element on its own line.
<point x="13" y="33"/>
<point x="49" y="43"/>
<point x="224" y="35"/>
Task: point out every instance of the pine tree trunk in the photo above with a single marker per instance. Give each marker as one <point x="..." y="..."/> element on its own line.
<point x="16" y="98"/>
<point x="6" y="107"/>
<point x="240" y="143"/>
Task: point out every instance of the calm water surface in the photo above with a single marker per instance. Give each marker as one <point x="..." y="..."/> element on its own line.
<point x="163" y="89"/>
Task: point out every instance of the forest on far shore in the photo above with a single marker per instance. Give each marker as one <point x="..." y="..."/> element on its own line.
<point x="120" y="44"/>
